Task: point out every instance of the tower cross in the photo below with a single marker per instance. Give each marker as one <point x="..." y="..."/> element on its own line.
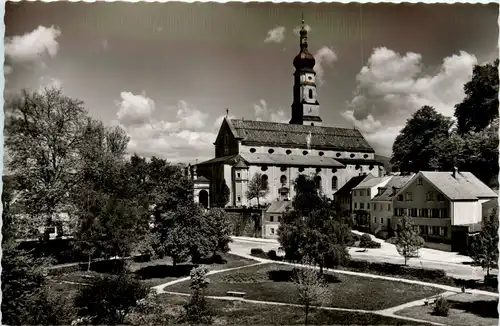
<point x="227" y="112"/>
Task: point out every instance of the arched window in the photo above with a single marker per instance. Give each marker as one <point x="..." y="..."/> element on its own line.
<point x="334" y="182"/>
<point x="252" y="150"/>
<point x="317" y="181"/>
<point x="283" y="180"/>
<point x="310" y="93"/>
<point x="264" y="179"/>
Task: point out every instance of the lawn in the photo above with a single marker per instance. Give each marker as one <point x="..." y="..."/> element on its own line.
<point x="244" y="313"/>
<point x="271" y="282"/>
<point x="465" y="309"/>
<point x="160" y="271"/>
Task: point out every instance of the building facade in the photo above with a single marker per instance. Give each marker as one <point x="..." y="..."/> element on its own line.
<point x="280" y="151"/>
<point x="272" y="218"/>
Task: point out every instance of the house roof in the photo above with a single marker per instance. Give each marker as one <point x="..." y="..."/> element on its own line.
<point x="278" y="159"/>
<point x="279" y="206"/>
<point x="345" y="190"/>
<point x="397" y="181"/>
<point x="464" y="186"/>
<point x="241" y="164"/>
<point x="372" y="182"/>
<point x="265" y="133"/>
<point x="201" y="179"/>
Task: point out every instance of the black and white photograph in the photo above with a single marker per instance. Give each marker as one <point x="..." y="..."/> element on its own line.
<point x="250" y="163"/>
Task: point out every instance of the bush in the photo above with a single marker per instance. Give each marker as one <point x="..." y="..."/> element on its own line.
<point x="258" y="252"/>
<point x="365" y="238"/>
<point x="271" y="254"/>
<point x="441" y="308"/>
<point x="392" y="240"/>
<point x="370" y="244"/>
<point x="354" y="236"/>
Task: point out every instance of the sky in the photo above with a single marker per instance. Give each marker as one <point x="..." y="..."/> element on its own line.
<point x="166" y="72"/>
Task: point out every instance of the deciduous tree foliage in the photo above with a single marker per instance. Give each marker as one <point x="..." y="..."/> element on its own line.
<point x="222" y="195"/>
<point x="413" y="149"/>
<point x="313" y="229"/>
<point x="219" y="230"/>
<point x="197" y="310"/>
<point x="257" y="188"/>
<point x="408" y="240"/>
<point x="484" y="248"/>
<point x="480" y="105"/>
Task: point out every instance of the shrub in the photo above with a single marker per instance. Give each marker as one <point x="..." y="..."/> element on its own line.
<point x="258" y="252"/>
<point x="370" y="244"/>
<point x="355" y="236"/>
<point x="271" y="254"/>
<point x="441" y="308"/>
<point x="365" y="238"/>
<point x="392" y="240"/>
<point x="197" y="310"/>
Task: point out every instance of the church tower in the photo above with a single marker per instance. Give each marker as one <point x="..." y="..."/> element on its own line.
<point x="305" y="107"/>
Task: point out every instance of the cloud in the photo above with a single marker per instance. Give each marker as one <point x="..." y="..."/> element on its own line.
<point x="34" y="45"/>
<point x="324" y="57"/>
<point x="105" y="45"/>
<point x="49" y="82"/>
<point x="263" y="113"/>
<point x="297" y="29"/>
<point x="391" y="87"/>
<point x="275" y="35"/>
<point x="175" y="139"/>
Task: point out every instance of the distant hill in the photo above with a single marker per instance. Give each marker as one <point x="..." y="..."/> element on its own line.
<point x="386" y="161"/>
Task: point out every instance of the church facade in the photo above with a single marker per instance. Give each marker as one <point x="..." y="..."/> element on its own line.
<point x="282" y="151"/>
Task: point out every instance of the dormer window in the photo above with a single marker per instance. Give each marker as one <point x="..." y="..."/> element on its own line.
<point x="252" y="150"/>
<point x="288" y="152"/>
<point x="270" y="151"/>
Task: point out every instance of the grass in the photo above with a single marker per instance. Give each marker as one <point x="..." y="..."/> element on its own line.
<point x="264" y="283"/>
<point x="465" y="309"/>
<point x="244" y="313"/>
<point x="160" y="271"/>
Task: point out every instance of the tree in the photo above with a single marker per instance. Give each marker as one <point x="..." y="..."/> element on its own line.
<point x="484" y="248"/>
<point x="108" y="300"/>
<point x="480" y="105"/>
<point x="257" y="187"/>
<point x="313" y="229"/>
<point x="412" y="150"/>
<point x="43" y="134"/>
<point x="312" y="289"/>
<point x="219" y="230"/>
<point x="222" y="196"/>
<point x="408" y="240"/>
<point x="197" y="310"/>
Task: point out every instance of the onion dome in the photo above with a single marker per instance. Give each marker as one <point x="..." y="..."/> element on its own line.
<point x="304" y="59"/>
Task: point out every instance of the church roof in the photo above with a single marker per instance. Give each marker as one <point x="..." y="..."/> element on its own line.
<point x="241" y="164"/>
<point x="263" y="133"/>
<point x="201" y="179"/>
<point x="345" y="190"/>
<point x="278" y="159"/>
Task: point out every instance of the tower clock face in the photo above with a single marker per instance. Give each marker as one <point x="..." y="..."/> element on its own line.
<point x="307" y="78"/>
<point x="311" y="110"/>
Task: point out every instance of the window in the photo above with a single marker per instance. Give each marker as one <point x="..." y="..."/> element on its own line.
<point x="318" y="170"/>
<point x="408" y="196"/>
<point x="272" y="230"/>
<point x="238" y="175"/>
<point x="368" y="192"/>
<point x="419" y="181"/>
<point x="334" y="170"/>
<point x="271" y="218"/>
<point x="367" y="205"/>
<point x="375" y="219"/>
<point x="354" y="193"/>
<point x="338" y="154"/>
<point x="352" y="155"/>
<point x="279" y="219"/>
<point x="365" y="156"/>
<point x="435" y="230"/>
<point x="283" y="180"/>
<point x="239" y="198"/>
<point x="252" y="150"/>
<point x="288" y="152"/>
<point x="400" y="197"/>
<point x="425" y="212"/>
<point x="389" y="207"/>
<point x="321" y="153"/>
<point x="317" y="181"/>
<point x="361" y="205"/>
<point x="421" y="229"/>
<point x="374" y="206"/>
<point x="443" y="212"/>
<point x="443" y="231"/>
<point x="355" y="205"/>
<point x="361" y="193"/>
<point x="334" y="183"/>
<point x="381" y="220"/>
<point x="270" y="151"/>
<point x="310" y="93"/>
<point x="430" y="196"/>
<point x="264" y="179"/>
<point x="305" y="152"/>
<point x="301" y="169"/>
<point x="264" y="168"/>
<point x="283" y="169"/>
<point x="440" y="197"/>
<point x="435" y="212"/>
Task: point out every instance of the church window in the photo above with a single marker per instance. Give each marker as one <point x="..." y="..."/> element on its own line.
<point x="283" y="179"/>
<point x="334" y="183"/>
<point x="334" y="170"/>
<point x="270" y="151"/>
<point x="338" y="154"/>
<point x="358" y="167"/>
<point x="239" y="198"/>
<point x="310" y="93"/>
<point x="352" y="155"/>
<point x="312" y="124"/>
<point x="301" y="169"/>
<point x="288" y="152"/>
<point x="371" y="167"/>
<point x="317" y="181"/>
<point x="264" y="179"/>
<point x="283" y="168"/>
<point x="305" y="152"/>
<point x="318" y="170"/>
<point x="321" y="153"/>
<point x="264" y="168"/>
<point x="310" y="78"/>
<point x="365" y="156"/>
<point x="252" y="150"/>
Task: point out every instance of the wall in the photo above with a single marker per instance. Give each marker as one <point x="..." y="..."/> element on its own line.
<point x="268" y="225"/>
<point x="380" y="210"/>
<point x="466" y="212"/>
<point x="225" y="144"/>
<point x="363" y="196"/>
<point x="314" y="152"/>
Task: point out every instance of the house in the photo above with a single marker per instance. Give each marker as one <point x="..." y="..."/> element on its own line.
<point x="280" y="152"/>
<point x="272" y="218"/>
<point x="343" y="196"/>
<point x="447" y="207"/>
<point x="362" y="195"/>
<point x="381" y="210"/>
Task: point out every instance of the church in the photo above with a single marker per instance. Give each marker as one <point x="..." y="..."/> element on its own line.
<point x="282" y="151"/>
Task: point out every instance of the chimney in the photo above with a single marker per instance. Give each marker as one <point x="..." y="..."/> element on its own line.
<point x="455" y="171"/>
